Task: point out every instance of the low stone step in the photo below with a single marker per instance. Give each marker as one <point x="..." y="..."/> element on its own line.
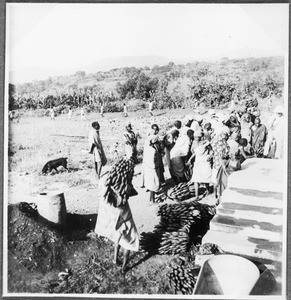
<point x="259" y="174"/>
<point x="276" y="220"/>
<point x="253" y="198"/>
<point x="231" y="207"/>
<point x="249" y="231"/>
<point x="231" y="221"/>
<point x="243" y="245"/>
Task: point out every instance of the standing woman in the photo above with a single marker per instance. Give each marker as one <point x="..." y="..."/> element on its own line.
<point x="170" y="140"/>
<point x="202" y="171"/>
<point x="232" y="123"/>
<point x="153" y="168"/>
<point x="259" y="137"/>
<point x="220" y="159"/>
<point x="246" y="125"/>
<point x="275" y="134"/>
<point x="96" y="148"/>
<point x="114" y="220"/>
<point x="178" y="156"/>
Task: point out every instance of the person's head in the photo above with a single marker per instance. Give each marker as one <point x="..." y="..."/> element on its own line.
<point x="178" y="124"/>
<point x="96" y="125"/>
<point x="243" y="142"/>
<point x="187" y="121"/>
<point x="175" y="134"/>
<point x="155" y="128"/>
<point x="232" y="118"/>
<point x="128" y="127"/>
<point x="207" y="127"/>
<point x="190" y="134"/>
<point x="257" y="121"/>
<point x="247" y="117"/>
<point x="224" y="136"/>
<point x="279" y="110"/>
<point x="198" y="134"/>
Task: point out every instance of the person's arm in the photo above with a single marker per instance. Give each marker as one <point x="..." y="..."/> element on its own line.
<point x="242" y="152"/>
<point x="92" y="148"/>
<point x="190" y="160"/>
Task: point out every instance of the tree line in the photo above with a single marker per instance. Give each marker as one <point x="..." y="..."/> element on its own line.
<point x="169" y="86"/>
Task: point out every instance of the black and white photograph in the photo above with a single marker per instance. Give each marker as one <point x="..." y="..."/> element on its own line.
<point x="146" y="150"/>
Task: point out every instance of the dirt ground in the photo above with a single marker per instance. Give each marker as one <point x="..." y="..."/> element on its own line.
<point x="33" y="142"/>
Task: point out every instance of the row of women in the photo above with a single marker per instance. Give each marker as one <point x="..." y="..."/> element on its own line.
<point x="206" y="147"/>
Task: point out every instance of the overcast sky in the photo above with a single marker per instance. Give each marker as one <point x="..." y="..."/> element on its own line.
<point x="60" y="36"/>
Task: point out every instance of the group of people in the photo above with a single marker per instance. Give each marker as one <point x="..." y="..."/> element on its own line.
<point x="202" y="149"/>
<point x="206" y="147"/>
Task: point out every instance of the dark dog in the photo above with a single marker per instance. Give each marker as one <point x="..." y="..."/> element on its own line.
<point x="54" y="164"/>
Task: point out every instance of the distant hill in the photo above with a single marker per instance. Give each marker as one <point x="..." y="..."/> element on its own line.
<point x="250" y="52"/>
<point x="110" y="63"/>
<point x="106" y="64"/>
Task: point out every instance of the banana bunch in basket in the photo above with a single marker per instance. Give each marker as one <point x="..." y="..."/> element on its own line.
<point x="119" y="182"/>
<point x="184" y="191"/>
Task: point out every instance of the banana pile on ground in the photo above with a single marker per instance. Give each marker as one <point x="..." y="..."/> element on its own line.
<point x="150" y="242"/>
<point x="119" y="181"/>
<point x="160" y="197"/>
<point x="175" y="242"/>
<point x="179" y="223"/>
<point x="182" y="281"/>
<point x="184" y="191"/>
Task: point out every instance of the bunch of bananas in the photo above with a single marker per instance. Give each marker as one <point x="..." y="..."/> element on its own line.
<point x="150" y="242"/>
<point x="160" y="197"/>
<point x="184" y="191"/>
<point x="175" y="242"/>
<point x="176" y="222"/>
<point x="181" y="280"/>
<point x="119" y="182"/>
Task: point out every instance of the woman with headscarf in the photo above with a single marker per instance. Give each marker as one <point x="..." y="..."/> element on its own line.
<point x="114" y="219"/>
<point x="130" y="141"/>
<point x="178" y="155"/>
<point x="274" y="144"/>
<point x="96" y="148"/>
<point x="170" y="139"/>
<point x="232" y="123"/>
<point x="258" y="137"/>
<point x="152" y="168"/>
<point x="220" y="159"/>
<point x="202" y="170"/>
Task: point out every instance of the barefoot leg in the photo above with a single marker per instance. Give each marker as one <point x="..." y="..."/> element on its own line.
<point x="125" y="260"/>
